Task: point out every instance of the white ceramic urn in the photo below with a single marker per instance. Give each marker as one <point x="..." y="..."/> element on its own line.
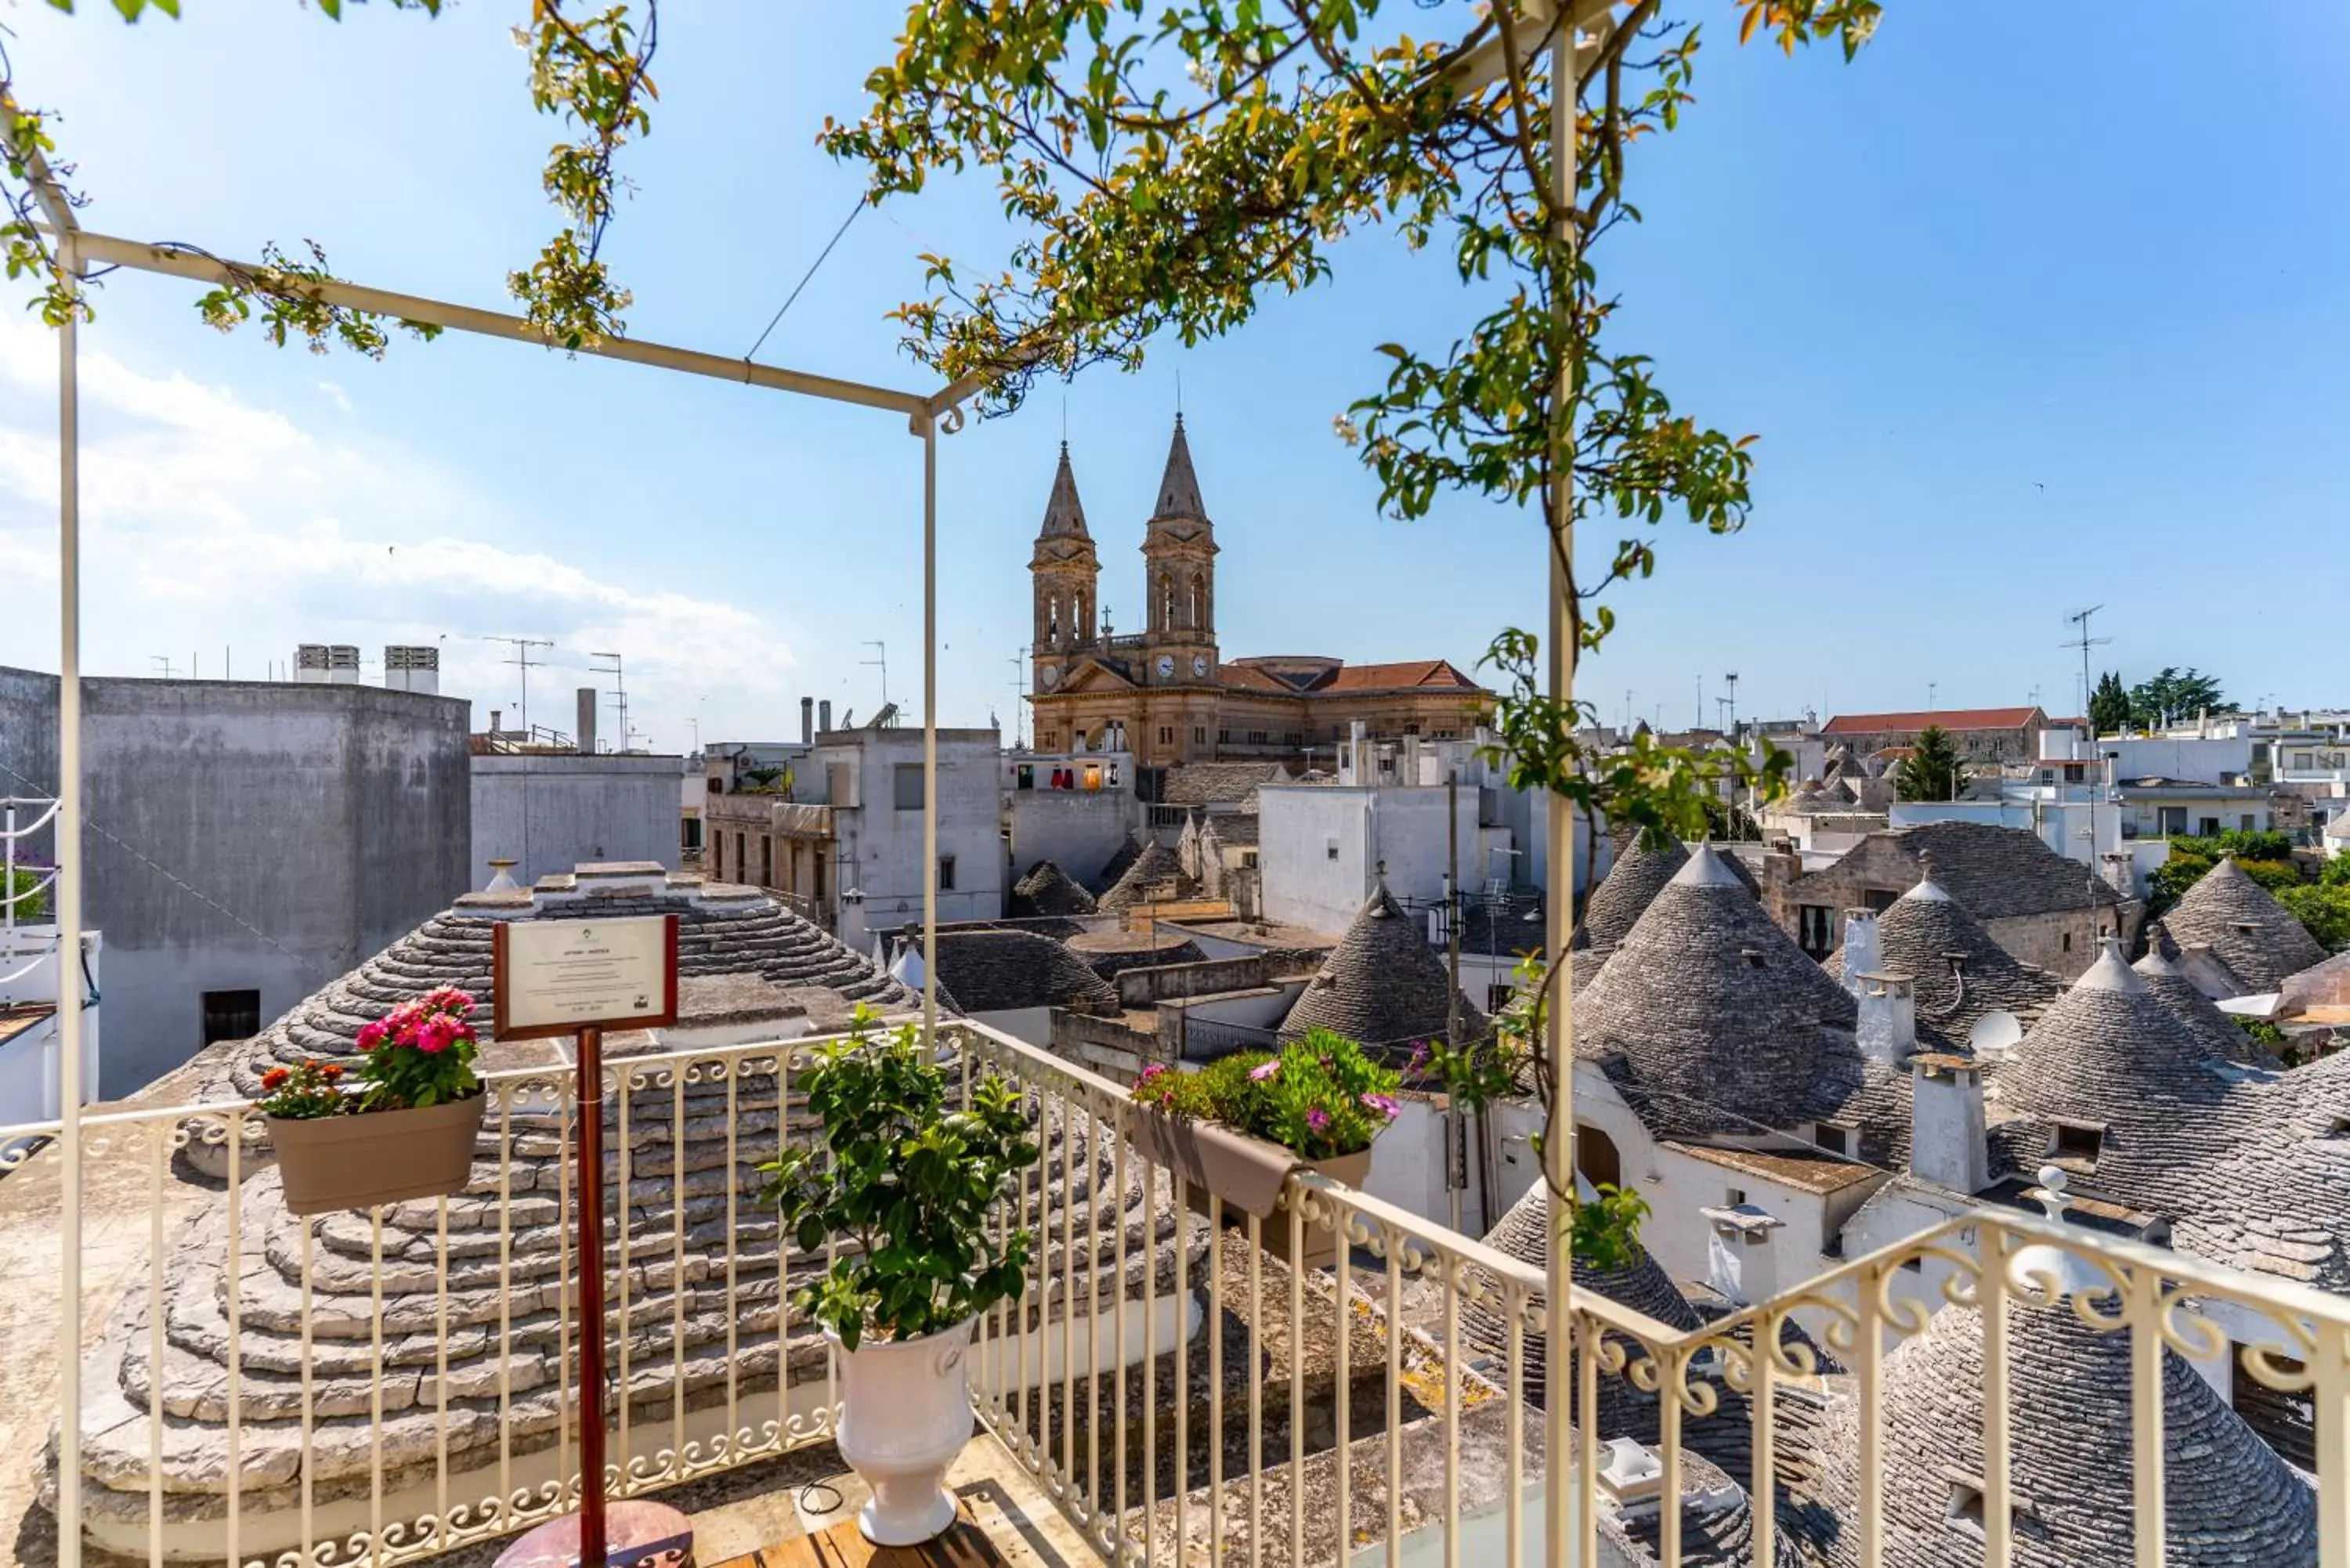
<point x="905" y="1415"/>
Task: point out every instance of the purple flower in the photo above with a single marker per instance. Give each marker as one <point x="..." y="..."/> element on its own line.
<point x="1419" y="1057"/>
<point x="1259" y="1074"/>
<point x="1317" y="1119"/>
<point x="1383" y="1104"/>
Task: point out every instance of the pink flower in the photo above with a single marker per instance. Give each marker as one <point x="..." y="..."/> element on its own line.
<point x="1156" y="1069"/>
<point x="1259" y="1074"/>
<point x="1317" y="1119"/>
<point x="371" y="1034"/>
<point x="1383" y="1104"/>
<point x="434" y="1035"/>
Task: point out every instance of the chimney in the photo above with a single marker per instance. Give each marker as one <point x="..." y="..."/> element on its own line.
<point x="407" y="667"/>
<point x="1888" y="1017"/>
<point x="342" y="665"/>
<point x="587" y="721"/>
<point x="824" y="716"/>
<point x="497" y="719"/>
<point x="310" y="664"/>
<point x="1740" y="1262"/>
<point x="807" y="720"/>
<point x="1862" y="951"/>
<point x="1355" y="731"/>
<point x="1948" y="1138"/>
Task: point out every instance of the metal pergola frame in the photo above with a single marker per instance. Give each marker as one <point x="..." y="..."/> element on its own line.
<point x="1568" y="30"/>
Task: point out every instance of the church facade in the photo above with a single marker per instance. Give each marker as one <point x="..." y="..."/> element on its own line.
<point x="1168" y="691"/>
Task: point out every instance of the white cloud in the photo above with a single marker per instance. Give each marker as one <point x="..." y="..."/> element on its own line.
<point x="207" y="520"/>
<point x="337" y="396"/>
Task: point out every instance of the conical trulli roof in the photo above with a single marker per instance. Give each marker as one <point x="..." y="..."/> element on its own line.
<point x="1713" y="1011"/>
<point x="2200" y="1012"/>
<point x="1155" y="866"/>
<point x="2228" y="1500"/>
<point x="1383" y="984"/>
<point x="1961" y="974"/>
<point x="1623" y="895"/>
<point x="1116" y="865"/>
<point x="2242" y="921"/>
<point x="1047" y="892"/>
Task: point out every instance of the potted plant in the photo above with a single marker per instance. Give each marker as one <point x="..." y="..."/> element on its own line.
<point x="911" y="1186"/>
<point x="1238" y="1126"/>
<point x="402" y="1126"/>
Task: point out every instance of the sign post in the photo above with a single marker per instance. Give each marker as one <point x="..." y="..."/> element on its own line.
<point x="580" y="977"/>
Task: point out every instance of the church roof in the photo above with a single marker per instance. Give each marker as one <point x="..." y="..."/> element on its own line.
<point x="1065" y="515"/>
<point x="1953" y="719"/>
<point x="2240" y="920"/>
<point x="1623" y="895"/>
<point x="2228" y="1497"/>
<point x="1383" y="984"/>
<point x="1713" y="1014"/>
<point x="1048" y="891"/>
<point x="1960" y="973"/>
<point x="1179" y="487"/>
<point x="1409" y="674"/>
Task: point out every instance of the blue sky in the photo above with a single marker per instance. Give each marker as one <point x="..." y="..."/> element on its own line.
<point x="2022" y="329"/>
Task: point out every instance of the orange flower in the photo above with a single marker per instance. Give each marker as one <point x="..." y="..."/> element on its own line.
<point x="330" y="1071"/>
<point x="275" y="1078"/>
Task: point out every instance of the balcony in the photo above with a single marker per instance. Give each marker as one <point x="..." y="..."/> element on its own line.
<point x="395" y="1385"/>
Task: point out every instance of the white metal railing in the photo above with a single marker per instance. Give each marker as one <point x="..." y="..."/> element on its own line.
<point x="387" y="1386"/>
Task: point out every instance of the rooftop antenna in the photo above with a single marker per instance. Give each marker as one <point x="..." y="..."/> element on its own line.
<point x="1731" y="680"/>
<point x="164" y="661"/>
<point x="1931" y="688"/>
<point x="883" y="648"/>
<point x="1701" y="702"/>
<point x="621" y="684"/>
<point x="1019" y="691"/>
<point x="2084" y="642"/>
<point x="524" y="662"/>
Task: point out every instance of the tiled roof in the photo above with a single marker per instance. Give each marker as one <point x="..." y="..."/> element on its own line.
<point x="1218" y="783"/>
<point x="1946" y="719"/>
<point x="1245" y="677"/>
<point x="1233" y="829"/>
<point x="2242" y="921"/>
<point x="999" y="971"/>
<point x="2228" y="1499"/>
<point x="1421" y="672"/>
<point x="1382" y="984"/>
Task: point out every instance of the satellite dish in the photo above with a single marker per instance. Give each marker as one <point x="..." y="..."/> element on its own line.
<point x="1994" y="1035"/>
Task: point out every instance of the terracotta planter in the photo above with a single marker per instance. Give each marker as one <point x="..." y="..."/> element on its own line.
<point x="330" y="1163"/>
<point x="1247" y="1174"/>
<point x="905" y="1415"/>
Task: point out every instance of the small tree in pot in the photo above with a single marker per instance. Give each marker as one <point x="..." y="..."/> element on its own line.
<point x="912" y="1185"/>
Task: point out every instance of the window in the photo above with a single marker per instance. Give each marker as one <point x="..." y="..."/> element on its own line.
<point x="1166" y="734"/>
<point x="1199" y="738"/>
<point x="1734" y="1195"/>
<point x="1223" y="737"/>
<point x="740" y="855"/>
<point x="1248" y="859"/>
<point x="1964" y="1512"/>
<point x="689" y="829"/>
<point x="1815" y="929"/>
<point x="946" y="873"/>
<point x="1835" y="1141"/>
<point x="231" y="1015"/>
<point x="766" y="860"/>
<point x="1596" y="1157"/>
<point x="1879" y="899"/>
<point x="2245" y="822"/>
<point x="2068" y="941"/>
<point x="908" y="784"/>
<point x="2078" y="1140"/>
<point x="1330" y="849"/>
<point x="2210" y="827"/>
<point x="815" y="866"/>
<point x="1411" y="729"/>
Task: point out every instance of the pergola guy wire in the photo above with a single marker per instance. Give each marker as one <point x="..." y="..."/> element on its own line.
<point x="1568" y="35"/>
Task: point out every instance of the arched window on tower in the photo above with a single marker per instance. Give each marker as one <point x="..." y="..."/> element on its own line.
<point x="1198" y="600"/>
<point x="1165" y="601"/>
<point x="1081" y="621"/>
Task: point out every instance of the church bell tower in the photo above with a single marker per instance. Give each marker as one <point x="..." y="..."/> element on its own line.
<point x="1178" y="553"/>
<point x="1064" y="574"/>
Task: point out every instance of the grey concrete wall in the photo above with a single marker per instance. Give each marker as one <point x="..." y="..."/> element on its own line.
<point x="245" y="835"/>
<point x="1077" y="830"/>
<point x="548" y="814"/>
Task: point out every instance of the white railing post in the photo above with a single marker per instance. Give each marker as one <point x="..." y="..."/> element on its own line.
<point x="68" y="890"/>
<point x="930" y="426"/>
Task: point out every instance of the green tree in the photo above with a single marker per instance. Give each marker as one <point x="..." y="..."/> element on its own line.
<point x="2324" y="909"/>
<point x="2173" y="695"/>
<point x="1930" y="771"/>
<point x="2110" y="705"/>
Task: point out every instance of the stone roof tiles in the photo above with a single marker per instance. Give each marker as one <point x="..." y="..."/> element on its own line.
<point x="1713" y="1013"/>
<point x="1383" y="984"/>
<point x="1960" y="973"/>
<point x="1623" y="895"/>
<point x="1157" y="865"/>
<point x="1047" y="892"/>
<point x="1218" y="783"/>
<point x="2230" y="1501"/>
<point x="2001" y="872"/>
<point x="2219" y="1031"/>
<point x="999" y="971"/>
<point x="2241" y="922"/>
